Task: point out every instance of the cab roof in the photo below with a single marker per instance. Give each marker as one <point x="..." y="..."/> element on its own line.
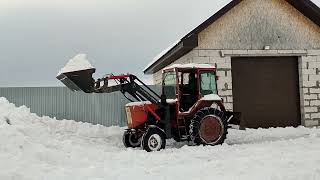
<point x="190" y="66"/>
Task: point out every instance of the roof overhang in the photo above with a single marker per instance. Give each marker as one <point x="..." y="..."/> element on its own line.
<point x="190" y="41"/>
<point x="308" y="9"/>
<point x="183" y="47"/>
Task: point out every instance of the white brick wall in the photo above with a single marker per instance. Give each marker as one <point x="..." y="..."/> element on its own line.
<point x="310" y="89"/>
<point x="309" y="75"/>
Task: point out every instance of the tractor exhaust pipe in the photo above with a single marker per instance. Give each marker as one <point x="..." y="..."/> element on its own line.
<point x="81" y="80"/>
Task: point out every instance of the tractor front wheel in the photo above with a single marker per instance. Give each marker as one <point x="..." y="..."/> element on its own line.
<point x="209" y="127"/>
<point x="154" y="139"/>
<point x="131" y="140"/>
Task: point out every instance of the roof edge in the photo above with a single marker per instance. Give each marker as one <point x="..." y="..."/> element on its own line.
<point x="177" y="51"/>
<point x="306" y="7"/>
<point x="192" y="34"/>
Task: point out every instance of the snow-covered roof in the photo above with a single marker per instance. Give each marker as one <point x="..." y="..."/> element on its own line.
<point x="308" y="8"/>
<point x="190" y="65"/>
<point x="156" y="58"/>
<point x="165" y="51"/>
<point x="211" y="97"/>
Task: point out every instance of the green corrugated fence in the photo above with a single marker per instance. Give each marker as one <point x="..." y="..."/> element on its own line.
<point x="60" y="102"/>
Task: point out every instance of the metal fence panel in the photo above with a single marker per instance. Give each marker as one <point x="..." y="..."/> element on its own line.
<point x="60" y="102"/>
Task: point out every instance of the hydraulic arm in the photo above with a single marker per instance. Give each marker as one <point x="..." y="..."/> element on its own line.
<point x="125" y="83"/>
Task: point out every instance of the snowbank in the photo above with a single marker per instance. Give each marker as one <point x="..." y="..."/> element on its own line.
<point x="37" y="148"/>
<point x="77" y="63"/>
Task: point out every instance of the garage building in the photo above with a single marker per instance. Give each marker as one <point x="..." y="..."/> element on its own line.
<point x="267" y="54"/>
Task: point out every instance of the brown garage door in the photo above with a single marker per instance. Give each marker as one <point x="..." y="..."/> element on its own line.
<point x="266" y="91"/>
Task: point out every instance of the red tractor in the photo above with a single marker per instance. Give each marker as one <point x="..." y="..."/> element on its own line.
<point x="189" y="108"/>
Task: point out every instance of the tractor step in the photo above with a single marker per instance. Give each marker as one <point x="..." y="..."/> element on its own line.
<point x="182" y="129"/>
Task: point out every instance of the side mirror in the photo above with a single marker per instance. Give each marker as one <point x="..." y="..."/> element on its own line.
<point x="217" y="78"/>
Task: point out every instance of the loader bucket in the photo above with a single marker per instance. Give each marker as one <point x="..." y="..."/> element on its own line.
<point x="78" y="80"/>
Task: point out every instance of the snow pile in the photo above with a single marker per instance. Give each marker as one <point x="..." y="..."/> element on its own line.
<point x="77" y="63"/>
<point x="37" y="148"/>
<point x="34" y="147"/>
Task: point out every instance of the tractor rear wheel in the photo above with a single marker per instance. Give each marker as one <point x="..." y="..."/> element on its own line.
<point x="154" y="139"/>
<point x="130" y="139"/>
<point x="209" y="126"/>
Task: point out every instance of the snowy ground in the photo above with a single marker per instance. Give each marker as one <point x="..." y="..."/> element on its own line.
<point x="40" y="148"/>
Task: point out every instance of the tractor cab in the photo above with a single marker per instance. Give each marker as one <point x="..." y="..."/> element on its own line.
<point x="188" y="84"/>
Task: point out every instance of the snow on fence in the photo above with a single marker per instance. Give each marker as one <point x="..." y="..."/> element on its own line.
<point x="60" y="102"/>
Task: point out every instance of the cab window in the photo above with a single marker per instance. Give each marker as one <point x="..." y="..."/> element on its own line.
<point x="169" y="85"/>
<point x="208" y="83"/>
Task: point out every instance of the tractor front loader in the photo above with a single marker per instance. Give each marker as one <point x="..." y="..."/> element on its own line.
<point x="189" y="108"/>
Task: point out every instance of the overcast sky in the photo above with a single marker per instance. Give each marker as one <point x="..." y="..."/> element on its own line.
<point x="38" y="37"/>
